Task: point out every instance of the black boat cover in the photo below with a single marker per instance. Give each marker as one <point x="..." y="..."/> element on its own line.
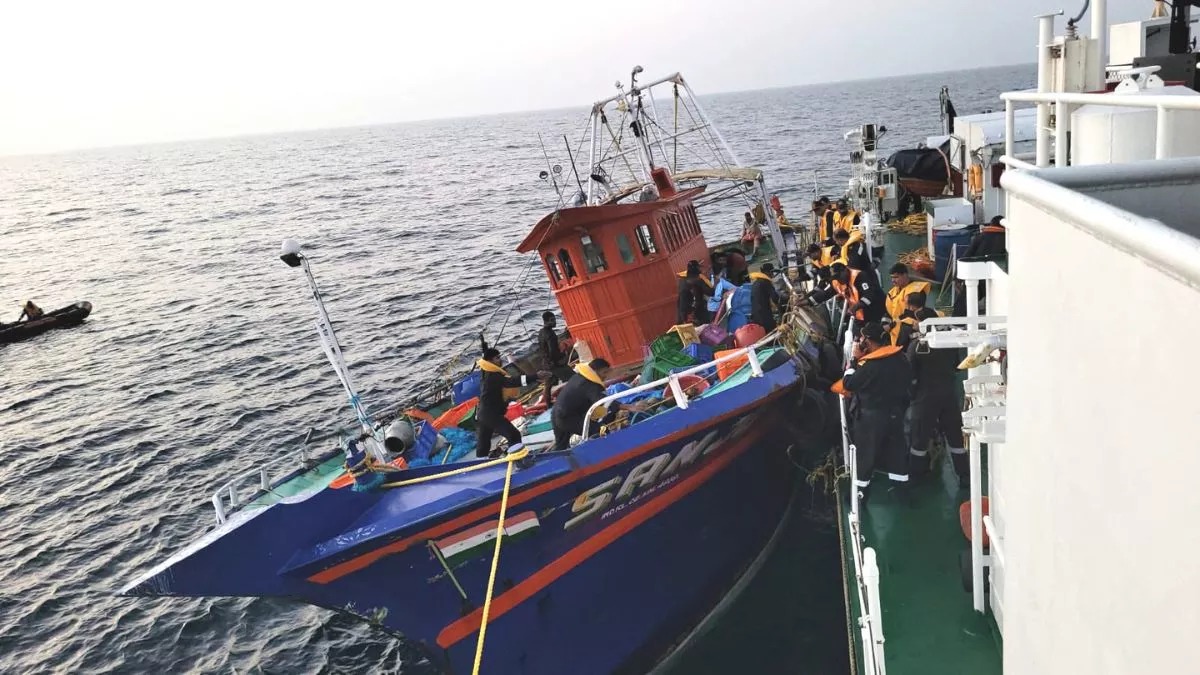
<point x="920" y="163"/>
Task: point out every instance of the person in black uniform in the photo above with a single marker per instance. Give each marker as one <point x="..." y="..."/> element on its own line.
<point x="877" y="383"/>
<point x="764" y="298"/>
<point x="852" y="249"/>
<point x="935" y="407"/>
<point x="574" y="400"/>
<point x="865" y="299"/>
<point x="489" y="415"/>
<point x="553" y="358"/>
<point x="694" y="291"/>
<point x="991" y="242"/>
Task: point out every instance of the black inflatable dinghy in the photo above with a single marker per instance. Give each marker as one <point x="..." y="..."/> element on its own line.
<point x="59" y="318"/>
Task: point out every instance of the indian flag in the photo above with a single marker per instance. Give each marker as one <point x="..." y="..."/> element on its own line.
<point x="480" y="540"/>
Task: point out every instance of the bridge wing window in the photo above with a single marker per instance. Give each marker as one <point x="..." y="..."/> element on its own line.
<point x="645" y="239"/>
<point x="593" y="255"/>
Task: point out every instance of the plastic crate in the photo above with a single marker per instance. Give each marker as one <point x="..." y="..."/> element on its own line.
<point x="687" y="334"/>
<point x="699" y="353"/>
<point x="666" y="346"/>
<point x="467" y="388"/>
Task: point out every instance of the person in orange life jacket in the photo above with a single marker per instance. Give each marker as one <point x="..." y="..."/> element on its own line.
<point x="846" y="219"/>
<point x="554" y="359"/>
<point x="907" y="325"/>
<point x="489" y="415"/>
<point x="865" y="300"/>
<point x="897" y="296"/>
<point x="584" y="388"/>
<point x="824" y="219"/>
<point x="935" y="406"/>
<point x="694" y="289"/>
<point x="877" y="382"/>
<point x="852" y="249"/>
<point x="764" y="298"/>
<point x="820" y="258"/>
<point x="990" y="242"/>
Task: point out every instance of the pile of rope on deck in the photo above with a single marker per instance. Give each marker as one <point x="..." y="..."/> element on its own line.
<point x="914" y="225"/>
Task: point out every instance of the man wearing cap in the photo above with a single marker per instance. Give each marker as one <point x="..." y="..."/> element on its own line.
<point x="877" y="383"/>
<point x="903" y="286"/>
<point x="764" y="299"/>
<point x="489" y="415"/>
<point x="846" y="218"/>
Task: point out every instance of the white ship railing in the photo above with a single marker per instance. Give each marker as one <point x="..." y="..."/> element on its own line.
<point x="229" y="492"/>
<point x="1065" y="103"/>
<point x="672" y="380"/>
<point x="866" y="570"/>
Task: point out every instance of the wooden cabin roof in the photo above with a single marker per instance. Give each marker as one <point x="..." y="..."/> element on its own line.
<point x="583" y="217"/>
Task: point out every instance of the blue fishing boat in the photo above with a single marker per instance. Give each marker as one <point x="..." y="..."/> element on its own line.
<point x="600" y="558"/>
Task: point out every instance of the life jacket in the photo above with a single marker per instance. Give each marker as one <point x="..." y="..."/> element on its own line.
<point x="849" y="292"/>
<point x="845" y="222"/>
<point x="509" y="393"/>
<point x="856" y="237"/>
<point x="897" y="298"/>
<point x="992" y="229"/>
<point x="824" y="226"/>
<point x="911" y="321"/>
<point x="881" y="353"/>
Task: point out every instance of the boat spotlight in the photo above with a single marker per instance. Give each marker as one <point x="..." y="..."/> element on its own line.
<point x="290" y="252"/>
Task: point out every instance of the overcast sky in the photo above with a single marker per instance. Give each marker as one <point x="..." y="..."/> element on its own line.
<point x="107" y="73"/>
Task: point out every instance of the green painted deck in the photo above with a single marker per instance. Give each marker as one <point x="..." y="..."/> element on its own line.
<point x="929" y="626"/>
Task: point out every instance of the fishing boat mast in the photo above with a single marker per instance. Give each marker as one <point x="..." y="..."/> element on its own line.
<point x="291" y="255"/>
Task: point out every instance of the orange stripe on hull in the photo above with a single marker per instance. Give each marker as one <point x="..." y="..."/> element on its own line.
<point x="362" y="561"/>
<point x="539" y="580"/>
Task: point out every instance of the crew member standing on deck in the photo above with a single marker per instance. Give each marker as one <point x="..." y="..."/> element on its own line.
<point x="864" y="298"/>
<point x="694" y="289"/>
<point x="552" y="355"/>
<point x="897" y="296"/>
<point x="877" y="383"/>
<point x="820" y="258"/>
<point x="489" y="415"/>
<point x="935" y="408"/>
<point x="846" y="218"/>
<point x="764" y="299"/>
<point x="992" y="241"/>
<point x="824" y="219"/>
<point x="584" y="388"/>
<point x="852" y="249"/>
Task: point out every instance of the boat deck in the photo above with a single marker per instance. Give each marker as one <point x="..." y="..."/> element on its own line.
<point x="929" y="625"/>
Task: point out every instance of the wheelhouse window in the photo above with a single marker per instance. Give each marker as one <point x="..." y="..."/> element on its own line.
<point x="553" y="268"/>
<point x="568" y="269"/>
<point x="593" y="255"/>
<point x="645" y="239"/>
<point x="625" y="249"/>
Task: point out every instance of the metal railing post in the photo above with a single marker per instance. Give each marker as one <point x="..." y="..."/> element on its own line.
<point x="977" y="596"/>
<point x="1164" y="136"/>
<point x="681" y="399"/>
<point x="871" y="580"/>
<point x="1010" y="129"/>
<point x="219" y="507"/>
<point x="755" y="367"/>
<point x="1062" y="133"/>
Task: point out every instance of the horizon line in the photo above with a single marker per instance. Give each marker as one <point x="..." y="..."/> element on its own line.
<point x="498" y="113"/>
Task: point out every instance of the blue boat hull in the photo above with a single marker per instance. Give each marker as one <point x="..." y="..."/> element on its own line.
<point x="628" y="542"/>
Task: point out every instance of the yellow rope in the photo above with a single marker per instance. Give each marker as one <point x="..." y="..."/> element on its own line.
<point x="466" y="469"/>
<point x="491" y="585"/>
